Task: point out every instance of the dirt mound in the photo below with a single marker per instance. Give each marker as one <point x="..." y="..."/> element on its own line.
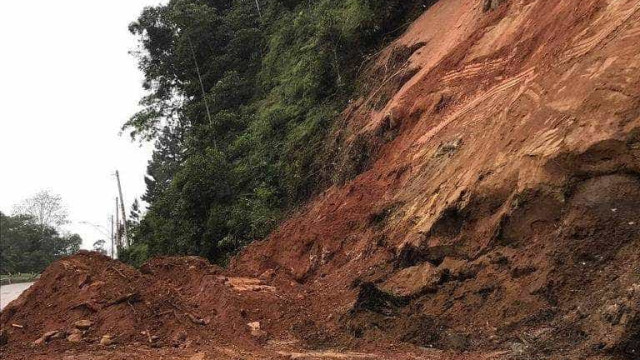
<point x="172" y="302"/>
<point x="173" y="307"/>
<point x="115" y="299"/>
<point x="488" y="201"/>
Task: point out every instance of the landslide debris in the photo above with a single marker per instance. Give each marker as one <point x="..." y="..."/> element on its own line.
<point x="501" y="208"/>
<point x="497" y="209"/>
<point x="89" y="298"/>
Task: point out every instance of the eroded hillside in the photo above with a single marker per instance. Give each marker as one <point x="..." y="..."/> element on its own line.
<point x="488" y="207"/>
<point x="503" y="204"/>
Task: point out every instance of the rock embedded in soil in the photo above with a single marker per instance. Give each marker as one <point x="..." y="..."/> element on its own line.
<point x="83" y="324"/>
<point x="256" y="330"/>
<point x="106" y="340"/>
<point x="75" y="337"/>
<point x="48" y="336"/>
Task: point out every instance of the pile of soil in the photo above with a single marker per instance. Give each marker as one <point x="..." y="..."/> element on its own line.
<point x="115" y="298"/>
<point x="176" y="302"/>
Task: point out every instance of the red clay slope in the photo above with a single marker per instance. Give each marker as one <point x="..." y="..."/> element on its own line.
<point x="498" y="212"/>
<point x="503" y="211"/>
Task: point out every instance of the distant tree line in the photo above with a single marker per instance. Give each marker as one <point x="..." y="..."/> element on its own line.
<point x="240" y="97"/>
<point x="30" y="239"/>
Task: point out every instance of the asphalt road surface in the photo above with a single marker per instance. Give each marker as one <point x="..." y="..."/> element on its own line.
<point x="9" y="293"/>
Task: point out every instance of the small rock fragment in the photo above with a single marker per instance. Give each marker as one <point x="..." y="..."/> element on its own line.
<point x="83" y="324"/>
<point x="106" y="340"/>
<point x="58" y="335"/>
<point x="254" y="325"/>
<point x="256" y="330"/>
<point x="75" y="337"/>
<point x="50" y="335"/>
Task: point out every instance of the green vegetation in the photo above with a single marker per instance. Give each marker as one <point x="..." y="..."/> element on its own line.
<point x="18" y="278"/>
<point x="27" y="246"/>
<point x="30" y="240"/>
<point x="240" y="101"/>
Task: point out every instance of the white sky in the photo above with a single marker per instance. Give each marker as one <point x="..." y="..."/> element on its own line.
<point x="67" y="84"/>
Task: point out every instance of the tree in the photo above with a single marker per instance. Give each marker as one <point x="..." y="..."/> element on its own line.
<point x="240" y="96"/>
<point x="45" y="209"/>
<point x="99" y="246"/>
<point x="26" y="246"/>
<point x="135" y="213"/>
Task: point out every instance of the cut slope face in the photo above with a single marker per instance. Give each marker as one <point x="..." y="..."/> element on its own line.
<point x="502" y="205"/>
<point x="497" y="210"/>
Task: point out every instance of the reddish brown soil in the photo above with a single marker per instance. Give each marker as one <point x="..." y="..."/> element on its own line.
<point x="496" y="215"/>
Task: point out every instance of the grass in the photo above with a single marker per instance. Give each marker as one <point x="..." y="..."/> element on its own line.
<point x="6" y="279"/>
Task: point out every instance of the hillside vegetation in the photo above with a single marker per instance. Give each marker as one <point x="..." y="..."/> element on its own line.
<point x="240" y="98"/>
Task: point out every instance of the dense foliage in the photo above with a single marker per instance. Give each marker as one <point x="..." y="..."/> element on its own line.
<point x="240" y="96"/>
<point x="27" y="246"/>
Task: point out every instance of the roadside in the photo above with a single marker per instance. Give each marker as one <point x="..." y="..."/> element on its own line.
<point x="18" y="278"/>
<point x="10" y="292"/>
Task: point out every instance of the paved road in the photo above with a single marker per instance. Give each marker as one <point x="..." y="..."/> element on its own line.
<point x="10" y="292"/>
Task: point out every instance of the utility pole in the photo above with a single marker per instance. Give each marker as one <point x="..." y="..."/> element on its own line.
<point x="124" y="215"/>
<point x="118" y="238"/>
<point x="113" y="235"/>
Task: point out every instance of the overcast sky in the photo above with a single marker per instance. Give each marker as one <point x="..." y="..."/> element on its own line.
<point x="67" y="84"/>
